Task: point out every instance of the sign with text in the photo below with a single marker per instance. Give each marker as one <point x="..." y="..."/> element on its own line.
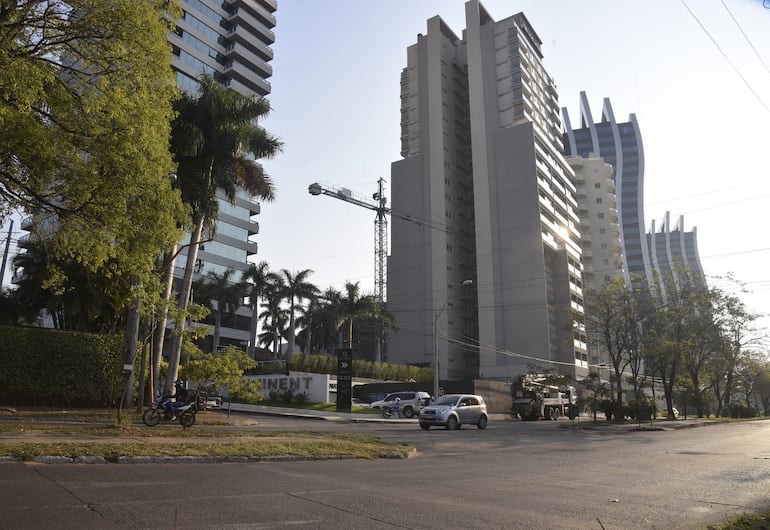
<point x="344" y="379"/>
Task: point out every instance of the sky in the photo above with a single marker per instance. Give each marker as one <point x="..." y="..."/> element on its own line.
<point x="694" y="72"/>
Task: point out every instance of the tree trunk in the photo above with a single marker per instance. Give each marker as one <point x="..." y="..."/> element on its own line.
<point x="217" y="328"/>
<point x="252" y="347"/>
<point x="160" y="330"/>
<point x="132" y="339"/>
<point x="292" y="340"/>
<point x="184" y="300"/>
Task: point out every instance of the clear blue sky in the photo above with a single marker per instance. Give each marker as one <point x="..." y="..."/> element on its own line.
<point x="703" y="116"/>
<point x="703" y="106"/>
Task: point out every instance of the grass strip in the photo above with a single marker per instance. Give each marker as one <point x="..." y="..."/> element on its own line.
<point x="269" y="447"/>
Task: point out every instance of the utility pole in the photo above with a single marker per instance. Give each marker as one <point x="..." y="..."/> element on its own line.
<point x="5" y="254"/>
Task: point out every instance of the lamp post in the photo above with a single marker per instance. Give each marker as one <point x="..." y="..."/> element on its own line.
<point x="436" y="316"/>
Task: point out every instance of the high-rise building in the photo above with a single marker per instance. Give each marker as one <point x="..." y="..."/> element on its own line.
<point x="599" y="226"/>
<point x="674" y="253"/>
<point x="620" y="145"/>
<point x="482" y="155"/>
<point x="229" y="40"/>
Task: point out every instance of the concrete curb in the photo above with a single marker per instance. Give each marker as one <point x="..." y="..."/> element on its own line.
<point x="191" y="459"/>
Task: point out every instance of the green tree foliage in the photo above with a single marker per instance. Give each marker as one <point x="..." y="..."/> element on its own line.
<point x="257" y="280"/>
<point x="221" y="296"/>
<point x="296" y="289"/>
<point x="85" y="106"/>
<point x="351" y="307"/>
<point x="223" y="369"/>
<point x="611" y="324"/>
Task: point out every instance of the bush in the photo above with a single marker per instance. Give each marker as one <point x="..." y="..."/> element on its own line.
<point x="742" y="411"/>
<point x="52" y="367"/>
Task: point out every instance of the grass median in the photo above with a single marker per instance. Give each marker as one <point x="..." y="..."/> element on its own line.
<point x="27" y="435"/>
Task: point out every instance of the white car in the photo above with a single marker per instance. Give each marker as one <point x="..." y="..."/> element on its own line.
<point x="410" y="403"/>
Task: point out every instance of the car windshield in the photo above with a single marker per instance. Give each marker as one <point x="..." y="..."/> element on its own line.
<point x="446" y="400"/>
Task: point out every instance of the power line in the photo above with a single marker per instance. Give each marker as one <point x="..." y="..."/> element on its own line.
<point x="746" y="37"/>
<point x="748" y="85"/>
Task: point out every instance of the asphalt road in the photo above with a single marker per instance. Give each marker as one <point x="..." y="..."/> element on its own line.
<point x="511" y="475"/>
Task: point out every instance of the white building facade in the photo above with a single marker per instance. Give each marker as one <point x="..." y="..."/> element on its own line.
<point x="482" y="148"/>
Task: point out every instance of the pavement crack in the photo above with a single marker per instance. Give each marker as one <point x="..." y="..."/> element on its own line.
<point x="87" y="505"/>
<point x="333" y="507"/>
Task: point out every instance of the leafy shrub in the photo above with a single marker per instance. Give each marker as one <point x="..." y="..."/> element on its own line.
<point x="742" y="411"/>
<point x="53" y="367"/>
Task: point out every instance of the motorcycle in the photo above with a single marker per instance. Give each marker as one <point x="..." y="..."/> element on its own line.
<point x="184" y="412"/>
<point x="393" y="410"/>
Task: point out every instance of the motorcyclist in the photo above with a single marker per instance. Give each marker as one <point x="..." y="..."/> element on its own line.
<point x="398" y="407"/>
<point x="180" y="396"/>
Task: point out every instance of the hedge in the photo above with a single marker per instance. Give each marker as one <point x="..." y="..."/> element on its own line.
<point x="46" y="367"/>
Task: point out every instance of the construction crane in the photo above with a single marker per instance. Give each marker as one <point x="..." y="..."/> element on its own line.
<point x="380" y="224"/>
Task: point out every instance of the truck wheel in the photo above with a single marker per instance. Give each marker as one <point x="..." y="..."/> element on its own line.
<point x="556" y="413"/>
<point x="551" y="413"/>
<point x="408" y="412"/>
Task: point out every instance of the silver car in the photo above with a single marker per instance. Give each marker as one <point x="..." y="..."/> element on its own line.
<point x="455" y="410"/>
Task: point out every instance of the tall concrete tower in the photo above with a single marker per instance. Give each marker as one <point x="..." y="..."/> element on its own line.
<point x="482" y="148"/>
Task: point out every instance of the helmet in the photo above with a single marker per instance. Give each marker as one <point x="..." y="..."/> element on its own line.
<point x="398" y="399"/>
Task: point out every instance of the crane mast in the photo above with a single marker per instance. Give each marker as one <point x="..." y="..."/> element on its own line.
<point x="380" y="225"/>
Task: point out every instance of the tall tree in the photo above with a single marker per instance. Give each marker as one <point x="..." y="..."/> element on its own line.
<point x="296" y="289"/>
<point x="275" y="317"/>
<point x="214" y="136"/>
<point x="352" y="307"/>
<point x="220" y="295"/>
<point x="735" y="324"/>
<point x="611" y="323"/>
<point x="85" y="106"/>
<point x="258" y="278"/>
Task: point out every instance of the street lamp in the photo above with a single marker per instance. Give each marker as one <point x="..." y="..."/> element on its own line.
<point x="436" y="316"/>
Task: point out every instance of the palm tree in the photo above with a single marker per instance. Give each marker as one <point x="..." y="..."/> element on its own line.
<point x="352" y="307"/>
<point x="211" y="136"/>
<point x="220" y="295"/>
<point x="257" y="279"/>
<point x="296" y="289"/>
<point x="310" y="322"/>
<point x="274" y="317"/>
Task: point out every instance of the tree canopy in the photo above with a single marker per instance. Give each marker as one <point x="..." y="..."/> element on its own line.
<point x="85" y="107"/>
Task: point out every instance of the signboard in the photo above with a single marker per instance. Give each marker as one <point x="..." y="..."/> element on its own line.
<point x="344" y="379"/>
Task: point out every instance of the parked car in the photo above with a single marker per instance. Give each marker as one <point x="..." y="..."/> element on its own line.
<point x="360" y="403"/>
<point x="410" y="403"/>
<point x="452" y="411"/>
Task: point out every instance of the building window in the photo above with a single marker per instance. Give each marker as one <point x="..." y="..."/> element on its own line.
<point x="598" y="185"/>
<point x="598" y="200"/>
<point x="600" y="216"/>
